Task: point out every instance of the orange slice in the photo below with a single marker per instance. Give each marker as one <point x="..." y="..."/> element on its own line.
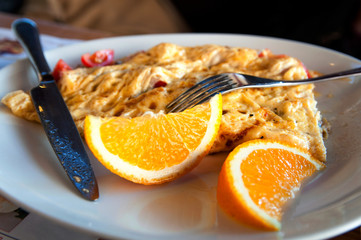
<point x="259" y="177"/>
<point x="154" y="148"/>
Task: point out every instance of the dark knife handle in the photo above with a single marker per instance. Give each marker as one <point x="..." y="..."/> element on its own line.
<point x="27" y="33"/>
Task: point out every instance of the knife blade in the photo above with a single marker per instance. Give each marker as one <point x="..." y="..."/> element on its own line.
<point x="55" y="117"/>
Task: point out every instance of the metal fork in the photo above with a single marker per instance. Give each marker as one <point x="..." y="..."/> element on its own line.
<point x="227" y="82"/>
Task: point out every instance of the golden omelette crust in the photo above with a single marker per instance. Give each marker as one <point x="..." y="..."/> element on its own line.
<point x="129" y="89"/>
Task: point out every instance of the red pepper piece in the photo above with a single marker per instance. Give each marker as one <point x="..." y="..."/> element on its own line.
<point x="59" y="68"/>
<point x="160" y="83"/>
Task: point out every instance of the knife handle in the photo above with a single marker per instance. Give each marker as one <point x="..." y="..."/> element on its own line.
<point x="27" y="33"/>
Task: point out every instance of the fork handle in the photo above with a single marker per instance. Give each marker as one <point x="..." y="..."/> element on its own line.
<point x="262" y="82"/>
<point x="332" y="76"/>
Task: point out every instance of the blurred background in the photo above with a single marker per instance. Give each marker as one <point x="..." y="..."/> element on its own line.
<point x="332" y="24"/>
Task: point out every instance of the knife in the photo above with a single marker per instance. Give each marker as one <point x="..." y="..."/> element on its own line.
<point x="55" y="117"/>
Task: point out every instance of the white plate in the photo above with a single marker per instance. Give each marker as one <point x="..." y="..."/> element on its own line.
<point x="31" y="176"/>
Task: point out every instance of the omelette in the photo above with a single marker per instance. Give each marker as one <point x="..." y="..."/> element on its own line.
<point x="147" y="81"/>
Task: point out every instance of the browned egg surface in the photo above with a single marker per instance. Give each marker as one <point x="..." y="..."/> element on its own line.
<point x="149" y="80"/>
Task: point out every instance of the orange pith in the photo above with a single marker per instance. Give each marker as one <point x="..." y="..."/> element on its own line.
<point x="154" y="148"/>
<point x="259" y="177"/>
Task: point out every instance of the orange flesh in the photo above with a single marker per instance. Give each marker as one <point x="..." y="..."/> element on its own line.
<point x="272" y="176"/>
<point x="130" y="140"/>
<point x="190" y="129"/>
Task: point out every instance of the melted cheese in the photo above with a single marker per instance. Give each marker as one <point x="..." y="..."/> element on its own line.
<point x="128" y="89"/>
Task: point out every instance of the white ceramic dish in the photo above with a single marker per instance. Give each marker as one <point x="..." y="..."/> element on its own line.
<point x="31" y="176"/>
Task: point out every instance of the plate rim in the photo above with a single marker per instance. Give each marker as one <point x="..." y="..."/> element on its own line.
<point x="326" y="233"/>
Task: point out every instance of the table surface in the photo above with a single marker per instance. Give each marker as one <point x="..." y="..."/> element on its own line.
<point x="71" y="32"/>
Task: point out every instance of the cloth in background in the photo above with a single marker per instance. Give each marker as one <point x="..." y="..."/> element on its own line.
<point x="120" y="17"/>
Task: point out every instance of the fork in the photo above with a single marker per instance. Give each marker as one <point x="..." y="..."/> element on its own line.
<point x="227" y="82"/>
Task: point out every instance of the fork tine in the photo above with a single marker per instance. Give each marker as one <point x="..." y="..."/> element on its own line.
<point x="196" y="101"/>
<point x="206" y="88"/>
<point x="196" y="88"/>
<point x="188" y="103"/>
<point x="199" y="94"/>
<point x="205" y="97"/>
